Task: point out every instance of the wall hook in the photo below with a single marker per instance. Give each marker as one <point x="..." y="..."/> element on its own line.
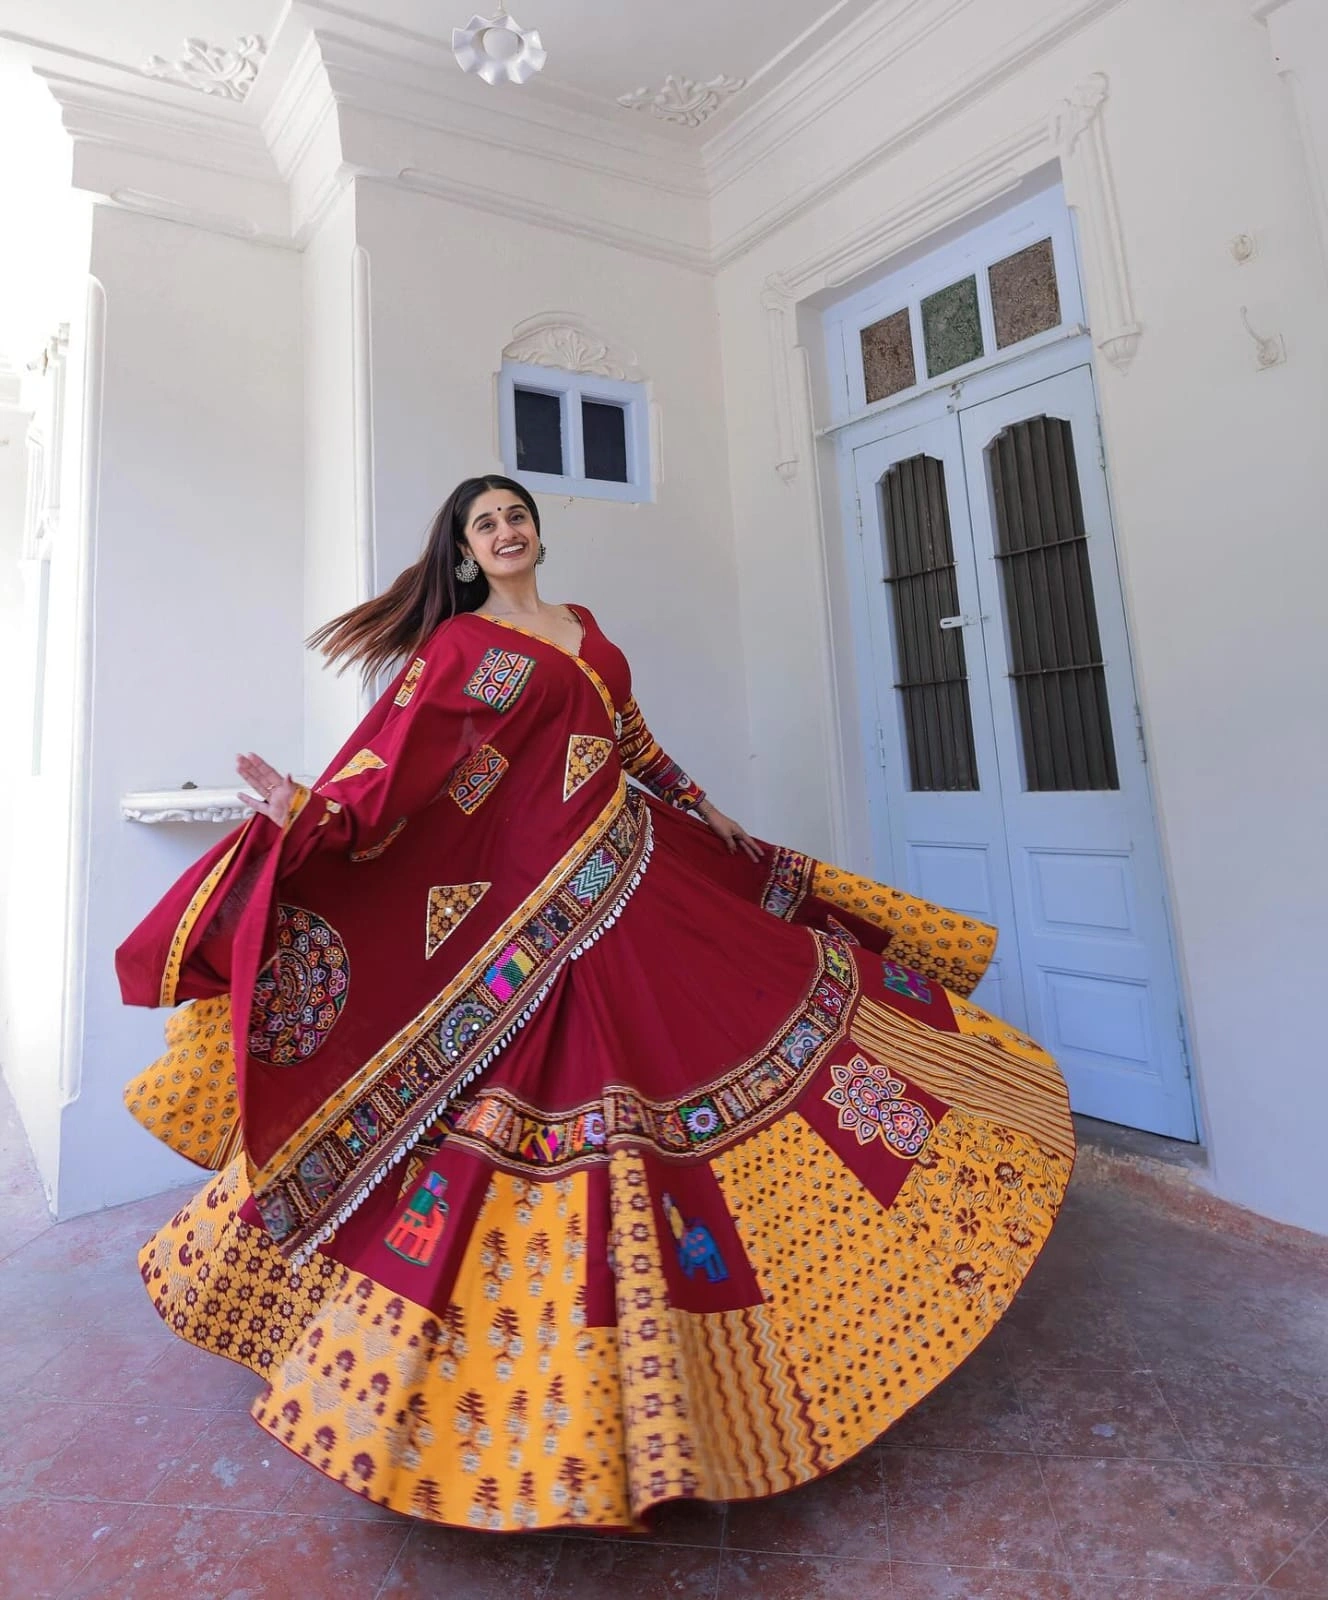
<point x="1270" y="351"/>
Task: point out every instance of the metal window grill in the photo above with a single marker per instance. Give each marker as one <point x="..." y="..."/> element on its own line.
<point x="933" y="675"/>
<point x="1055" y="650"/>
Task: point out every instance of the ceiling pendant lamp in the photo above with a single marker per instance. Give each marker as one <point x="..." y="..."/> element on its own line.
<point x="499" y="49"/>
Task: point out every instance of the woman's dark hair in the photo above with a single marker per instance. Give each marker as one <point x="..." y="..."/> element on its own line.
<point x="375" y="634"/>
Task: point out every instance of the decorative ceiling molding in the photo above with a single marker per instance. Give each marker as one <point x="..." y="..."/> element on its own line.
<point x="564" y="340"/>
<point x="212" y="68"/>
<point x="798" y="102"/>
<point x="172" y="160"/>
<point x="682" y="102"/>
<point x="368" y="101"/>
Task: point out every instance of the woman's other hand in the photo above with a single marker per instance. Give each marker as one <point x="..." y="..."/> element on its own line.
<point x="732" y="833"/>
<point x="274" y="792"/>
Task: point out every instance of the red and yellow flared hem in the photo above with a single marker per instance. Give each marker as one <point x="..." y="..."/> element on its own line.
<point x="510" y="1411"/>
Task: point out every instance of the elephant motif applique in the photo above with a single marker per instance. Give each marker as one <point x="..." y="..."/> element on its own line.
<point x="697" y="1250"/>
<point x="416" y="1232"/>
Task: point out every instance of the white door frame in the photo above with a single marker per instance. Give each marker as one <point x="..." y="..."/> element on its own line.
<point x="875" y="718"/>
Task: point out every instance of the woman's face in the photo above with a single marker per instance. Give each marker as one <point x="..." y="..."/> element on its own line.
<point x="501" y="535"/>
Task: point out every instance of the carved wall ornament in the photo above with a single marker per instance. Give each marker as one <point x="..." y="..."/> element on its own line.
<point x="212" y="68"/>
<point x="562" y="339"/>
<point x="683" y="102"/>
<point x="1077" y="131"/>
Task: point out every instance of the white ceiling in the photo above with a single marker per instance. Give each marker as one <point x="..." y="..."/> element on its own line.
<point x="598" y="49"/>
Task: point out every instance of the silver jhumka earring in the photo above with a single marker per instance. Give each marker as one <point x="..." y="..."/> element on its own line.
<point x="468" y="569"/>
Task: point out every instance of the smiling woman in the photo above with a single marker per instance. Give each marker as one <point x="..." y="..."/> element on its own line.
<point x="550" y="1124"/>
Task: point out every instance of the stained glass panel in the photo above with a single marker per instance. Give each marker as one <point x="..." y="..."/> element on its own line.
<point x="887" y="356"/>
<point x="1024" y="296"/>
<point x="951" y="326"/>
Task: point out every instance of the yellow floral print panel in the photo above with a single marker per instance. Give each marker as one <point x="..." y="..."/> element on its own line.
<point x="187" y="1097"/>
<point x="502" y="1412"/>
<point x="953" y="949"/>
<point x="871" y="1306"/>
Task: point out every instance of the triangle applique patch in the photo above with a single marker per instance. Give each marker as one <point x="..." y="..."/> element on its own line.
<point x="586" y="754"/>
<point x="449" y="906"/>
<point x="364" y="761"/>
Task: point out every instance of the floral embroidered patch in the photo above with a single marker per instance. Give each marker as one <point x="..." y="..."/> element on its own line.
<point x="299" y="993"/>
<point x="586" y="754"/>
<point x="870" y="1105"/>
<point x="475" y="779"/>
<point x="500" y="678"/>
<point x="449" y="905"/>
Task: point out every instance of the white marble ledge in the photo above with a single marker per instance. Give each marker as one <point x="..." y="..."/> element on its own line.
<point x="183" y="805"/>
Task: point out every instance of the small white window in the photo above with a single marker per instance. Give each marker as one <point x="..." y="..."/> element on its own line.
<point x="575" y="433"/>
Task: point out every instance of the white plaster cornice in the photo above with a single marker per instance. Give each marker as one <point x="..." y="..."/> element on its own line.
<point x="179" y="162"/>
<point x="845" y="65"/>
<point x="343" y="95"/>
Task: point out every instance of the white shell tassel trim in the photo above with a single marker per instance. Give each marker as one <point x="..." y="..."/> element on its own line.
<point x="300" y="1257"/>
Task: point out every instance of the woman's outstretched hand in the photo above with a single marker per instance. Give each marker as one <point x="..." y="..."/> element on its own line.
<point x="732" y="833"/>
<point x="274" y="792"/>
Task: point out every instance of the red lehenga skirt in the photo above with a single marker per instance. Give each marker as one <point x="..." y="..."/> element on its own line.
<point x="737" y="1196"/>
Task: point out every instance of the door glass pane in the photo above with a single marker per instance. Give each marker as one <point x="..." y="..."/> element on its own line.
<point x="951" y="326"/>
<point x="1024" y="297"/>
<point x="933" y="676"/>
<point x="1050" y="616"/>
<point x="604" y="436"/>
<point x="539" y="432"/>
<point x="887" y="357"/>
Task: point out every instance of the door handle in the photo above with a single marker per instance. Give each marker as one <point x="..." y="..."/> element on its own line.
<point x="962" y="622"/>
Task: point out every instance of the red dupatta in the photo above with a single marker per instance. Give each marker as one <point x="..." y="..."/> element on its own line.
<point x="472" y="836"/>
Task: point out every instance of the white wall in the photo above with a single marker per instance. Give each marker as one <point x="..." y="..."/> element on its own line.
<point x="43" y="269"/>
<point x="1218" y="474"/>
<point x="330" y="579"/>
<point x="448" y="288"/>
<point x="196" y="604"/>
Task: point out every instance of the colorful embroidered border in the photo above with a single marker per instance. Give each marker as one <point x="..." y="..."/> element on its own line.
<point x="649" y="765"/>
<point x="362" y="1131"/>
<point x="788" y="883"/>
<point x="517" y="1135"/>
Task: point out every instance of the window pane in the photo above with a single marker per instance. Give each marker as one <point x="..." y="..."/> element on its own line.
<point x="1024" y="297"/>
<point x="933" y="674"/>
<point x="1055" y="650"/>
<point x="951" y="327"/>
<point x="539" y="432"/>
<point x="887" y="356"/>
<point x="604" y="437"/>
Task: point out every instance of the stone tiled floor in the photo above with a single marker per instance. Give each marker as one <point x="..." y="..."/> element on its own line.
<point x="1149" y="1423"/>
